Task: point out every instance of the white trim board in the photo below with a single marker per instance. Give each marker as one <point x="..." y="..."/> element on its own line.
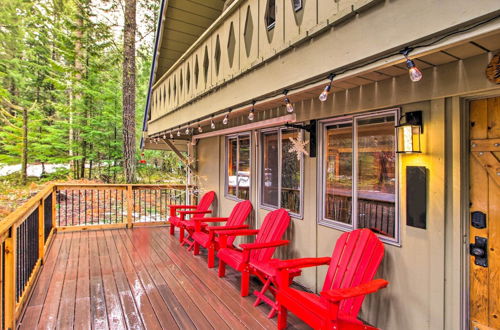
<point x="291" y="118"/>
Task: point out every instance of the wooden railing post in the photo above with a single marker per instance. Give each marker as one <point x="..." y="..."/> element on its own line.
<point x="130" y="206"/>
<point x="41" y="230"/>
<point x="10" y="280"/>
<point x="54" y="207"/>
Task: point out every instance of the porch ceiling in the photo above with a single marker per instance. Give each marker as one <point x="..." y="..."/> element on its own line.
<point x="185" y="21"/>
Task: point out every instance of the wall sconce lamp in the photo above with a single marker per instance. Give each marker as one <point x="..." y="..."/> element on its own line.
<point x="409" y="132"/>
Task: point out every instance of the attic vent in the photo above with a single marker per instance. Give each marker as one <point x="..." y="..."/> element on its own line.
<point x="169" y="91"/>
<point x="205" y="64"/>
<point x="217" y="54"/>
<point x="196" y="71"/>
<point x="188" y="78"/>
<point x="248" y="31"/>
<point x="231" y="45"/>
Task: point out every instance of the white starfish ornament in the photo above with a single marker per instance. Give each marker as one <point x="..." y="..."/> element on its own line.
<point x="298" y="146"/>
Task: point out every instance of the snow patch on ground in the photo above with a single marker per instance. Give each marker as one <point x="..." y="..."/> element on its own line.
<point x="33" y="170"/>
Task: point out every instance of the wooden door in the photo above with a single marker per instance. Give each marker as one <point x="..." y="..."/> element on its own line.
<point x="484" y="222"/>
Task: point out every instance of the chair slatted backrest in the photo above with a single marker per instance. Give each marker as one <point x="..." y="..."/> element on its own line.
<point x="355" y="261"/>
<point x="205" y="202"/>
<point x="238" y="215"/>
<point x="273" y="228"/>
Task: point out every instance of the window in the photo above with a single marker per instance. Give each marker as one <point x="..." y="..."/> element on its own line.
<point x="359" y="175"/>
<point x="238" y="166"/>
<point x="297" y="5"/>
<point x="281" y="171"/>
<point x="270" y="16"/>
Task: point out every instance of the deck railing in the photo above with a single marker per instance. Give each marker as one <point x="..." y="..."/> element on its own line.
<point x="26" y="233"/>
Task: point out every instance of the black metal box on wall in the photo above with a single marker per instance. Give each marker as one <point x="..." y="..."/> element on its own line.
<point x="416" y="196"/>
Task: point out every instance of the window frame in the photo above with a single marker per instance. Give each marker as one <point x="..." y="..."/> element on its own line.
<point x="226" y="167"/>
<point x="321" y="168"/>
<point x="263" y="205"/>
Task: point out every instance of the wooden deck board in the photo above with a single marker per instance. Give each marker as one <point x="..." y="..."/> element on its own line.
<point x="136" y="279"/>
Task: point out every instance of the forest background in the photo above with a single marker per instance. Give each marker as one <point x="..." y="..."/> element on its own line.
<point x="61" y="88"/>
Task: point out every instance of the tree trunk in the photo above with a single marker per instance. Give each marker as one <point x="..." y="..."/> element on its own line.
<point x="129" y="90"/>
<point x="77" y="96"/>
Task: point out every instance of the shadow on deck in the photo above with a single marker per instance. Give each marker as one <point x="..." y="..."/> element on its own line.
<point x="136" y="278"/>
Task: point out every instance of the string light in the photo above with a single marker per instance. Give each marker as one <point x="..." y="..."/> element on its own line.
<point x="200" y="130"/>
<point x="187" y="130"/>
<point x="324" y="94"/>
<point x="413" y="71"/>
<point x="226" y="118"/>
<point x="251" y="115"/>
<point x="288" y="104"/>
<point x="212" y="124"/>
<point x="171" y="135"/>
<point x="179" y="131"/>
<point x="164" y="136"/>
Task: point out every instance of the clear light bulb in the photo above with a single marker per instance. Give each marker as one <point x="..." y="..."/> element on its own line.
<point x="324" y="94"/>
<point x="225" y="120"/>
<point x="187" y="131"/>
<point x="413" y="71"/>
<point x="179" y="133"/>
<point x="171" y="135"/>
<point x="251" y="115"/>
<point x="289" y="106"/>
<point x="212" y="124"/>
<point x="200" y="130"/>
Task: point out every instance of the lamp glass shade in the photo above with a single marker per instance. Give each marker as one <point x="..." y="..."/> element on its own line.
<point x="409" y="138"/>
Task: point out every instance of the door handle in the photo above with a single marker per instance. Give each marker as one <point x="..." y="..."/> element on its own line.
<point x="479" y="250"/>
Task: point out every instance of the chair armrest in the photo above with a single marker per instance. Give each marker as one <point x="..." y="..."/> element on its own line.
<point x="226" y="228"/>
<point x="211" y="219"/>
<point x="213" y="229"/>
<point x="238" y="232"/>
<point x="223" y="234"/>
<point x="182" y="206"/>
<point x="253" y="246"/>
<point x="337" y="295"/>
<point x="175" y="208"/>
<point x="300" y="263"/>
<point x="195" y="212"/>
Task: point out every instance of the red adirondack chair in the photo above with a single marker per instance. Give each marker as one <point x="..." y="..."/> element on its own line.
<point x="267" y="239"/>
<point x="349" y="279"/>
<point x="205" y="236"/>
<point x="199" y="211"/>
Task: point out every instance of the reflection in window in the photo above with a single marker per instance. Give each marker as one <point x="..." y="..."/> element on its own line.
<point x="375" y="174"/>
<point x="297" y="5"/>
<point x="270" y="16"/>
<point x="281" y="171"/>
<point x="238" y="166"/>
<point x="290" y="173"/>
<point x="270" y="169"/>
<point x="244" y="168"/>
<point x="338" y="167"/>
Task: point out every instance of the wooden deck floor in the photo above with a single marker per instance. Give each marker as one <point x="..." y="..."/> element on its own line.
<point x="136" y="278"/>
